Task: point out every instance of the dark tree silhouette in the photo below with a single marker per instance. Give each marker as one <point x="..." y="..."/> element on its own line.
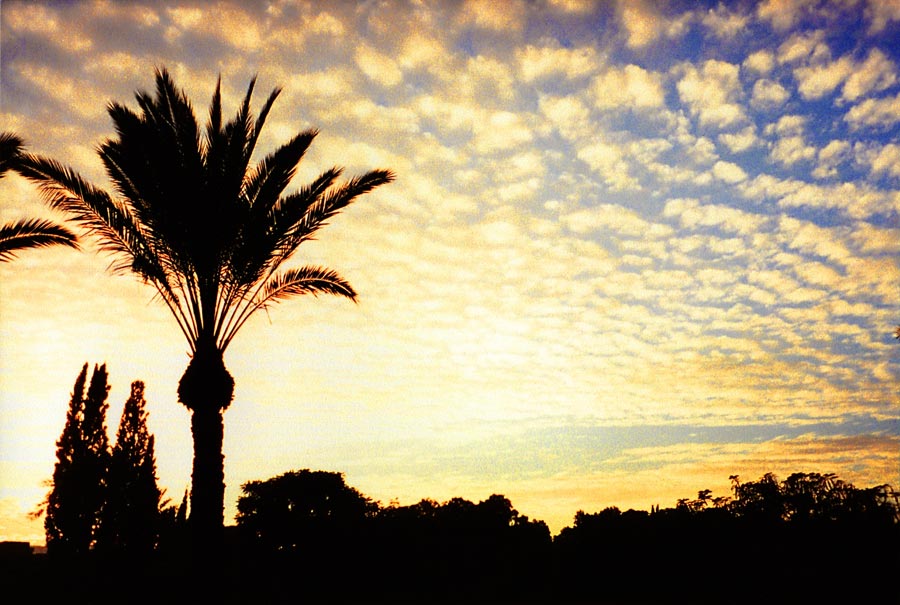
<point x="299" y="509"/>
<point x="26" y="233"/>
<point x="460" y="551"/>
<point x="308" y="528"/>
<point x="130" y="521"/>
<point x="211" y="234"/>
<point x="770" y="542"/>
<point x="79" y="477"/>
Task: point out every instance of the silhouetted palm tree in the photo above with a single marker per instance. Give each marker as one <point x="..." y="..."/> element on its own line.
<point x="211" y="233"/>
<point x="26" y="233"/>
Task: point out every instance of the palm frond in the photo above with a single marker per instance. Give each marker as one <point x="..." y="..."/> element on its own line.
<point x="215" y="110"/>
<point x="269" y="241"/>
<point x="261" y="119"/>
<point x="287" y="284"/>
<point x="116" y="229"/>
<point x="33" y="233"/>
<point x="88" y="206"/>
<point x="10" y="147"/>
<point x="331" y="203"/>
<point x="304" y="280"/>
<point x="261" y="246"/>
<point x="275" y="171"/>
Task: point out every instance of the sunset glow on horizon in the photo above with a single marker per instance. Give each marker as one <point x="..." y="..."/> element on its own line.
<point x="632" y="248"/>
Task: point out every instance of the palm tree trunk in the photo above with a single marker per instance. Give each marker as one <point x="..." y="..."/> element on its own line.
<point x="207" y="481"/>
<point x="207" y="389"/>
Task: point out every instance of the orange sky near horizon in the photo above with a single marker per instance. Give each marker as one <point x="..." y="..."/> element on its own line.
<point x="632" y="248"/>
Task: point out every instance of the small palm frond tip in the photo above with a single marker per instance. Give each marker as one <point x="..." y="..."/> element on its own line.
<point x="32" y="233"/>
<point x="304" y="280"/>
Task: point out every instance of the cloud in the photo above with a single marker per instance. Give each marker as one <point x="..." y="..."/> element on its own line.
<point x="712" y="93"/>
<point x="830" y="157"/>
<point x="49" y="24"/>
<point x="377" y="66"/>
<point x="227" y="23"/>
<point x="724" y="23"/>
<point x="875" y="74"/>
<point x="643" y="24"/>
<point x="806" y="46"/>
<point x="421" y="51"/>
<point x="740" y="141"/>
<point x="768" y="94"/>
<point x="881" y="14"/>
<point x="817" y="81"/>
<point x="883" y="112"/>
<point x="485" y="14"/>
<point x="857" y="201"/>
<point x="486" y="78"/>
<point x="391" y="120"/>
<point x="567" y="114"/>
<point x="875" y="240"/>
<point x="760" y="61"/>
<point x="692" y="214"/>
<point x="324" y="23"/>
<point x="449" y="116"/>
<point x="63" y="89"/>
<point x="788" y="151"/>
<point x="629" y="87"/>
<point x="790" y="146"/>
<point x="729" y="172"/>
<point x="811" y="239"/>
<point x="577" y="7"/>
<point x="882" y="160"/>
<point x="609" y="161"/>
<point x="329" y="87"/>
<point x="618" y="219"/>
<point x="782" y="14"/>
<point x="538" y="62"/>
<point x="499" y="131"/>
<point x="791" y="124"/>
<point x="141" y="15"/>
<point x="124" y="65"/>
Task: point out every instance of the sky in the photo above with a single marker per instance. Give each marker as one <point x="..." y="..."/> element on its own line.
<point x="632" y="248"/>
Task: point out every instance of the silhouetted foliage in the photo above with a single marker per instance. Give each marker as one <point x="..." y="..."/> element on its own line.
<point x="130" y="520"/>
<point x="830" y="542"/>
<point x="26" y="233"/>
<point x="315" y="528"/>
<point x="211" y="233"/>
<point x="811" y="497"/>
<point x="302" y="510"/>
<point x="471" y="551"/>
<point x="776" y="536"/>
<point x="79" y="477"/>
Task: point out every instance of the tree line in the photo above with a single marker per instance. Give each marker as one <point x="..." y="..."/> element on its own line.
<point x="306" y="534"/>
<point x="808" y="537"/>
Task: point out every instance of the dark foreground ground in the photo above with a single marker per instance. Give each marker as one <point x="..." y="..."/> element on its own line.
<point x="849" y="569"/>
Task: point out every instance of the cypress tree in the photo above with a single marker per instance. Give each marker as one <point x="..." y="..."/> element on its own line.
<point x="131" y="514"/>
<point x="79" y="477"/>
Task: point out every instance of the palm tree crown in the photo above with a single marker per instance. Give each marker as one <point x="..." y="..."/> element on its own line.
<point x="194" y="219"/>
<point x="26" y="233"/>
